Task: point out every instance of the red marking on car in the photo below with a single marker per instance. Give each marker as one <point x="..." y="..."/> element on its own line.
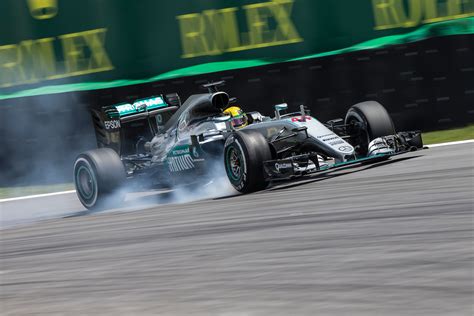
<point x="300" y="119"/>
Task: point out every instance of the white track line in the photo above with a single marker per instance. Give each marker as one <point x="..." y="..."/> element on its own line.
<point x="73" y="191"/>
<point x="451" y="143"/>
<point x="36" y="196"/>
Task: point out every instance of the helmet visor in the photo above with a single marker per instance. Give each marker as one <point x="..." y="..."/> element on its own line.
<point x="239" y="121"/>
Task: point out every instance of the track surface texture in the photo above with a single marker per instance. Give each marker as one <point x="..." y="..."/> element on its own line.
<point x="391" y="239"/>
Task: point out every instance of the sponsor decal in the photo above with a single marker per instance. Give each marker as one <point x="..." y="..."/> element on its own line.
<point x="181" y="151"/>
<point x="326" y="135"/>
<point x="216" y="31"/>
<point x="159" y="119"/>
<point x="125" y="108"/>
<point x="300" y="119"/>
<point x="281" y="166"/>
<point x="180" y="163"/>
<point x="55" y="57"/>
<point x="140" y="106"/>
<point x="114" y="124"/>
<point x="345" y="148"/>
<point x="195" y="152"/>
<point x="148" y="103"/>
<point x="403" y="14"/>
<point x="330" y="138"/>
<point x="337" y="142"/>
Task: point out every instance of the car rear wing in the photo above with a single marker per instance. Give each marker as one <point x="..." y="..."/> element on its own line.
<point x="142" y="108"/>
<point x="109" y="121"/>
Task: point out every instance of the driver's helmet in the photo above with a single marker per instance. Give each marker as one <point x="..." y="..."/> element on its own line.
<point x="238" y="117"/>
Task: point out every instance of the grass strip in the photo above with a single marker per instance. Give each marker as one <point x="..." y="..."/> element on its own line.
<point x="450" y="135"/>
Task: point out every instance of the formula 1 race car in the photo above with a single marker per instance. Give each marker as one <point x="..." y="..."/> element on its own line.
<point x="158" y="142"/>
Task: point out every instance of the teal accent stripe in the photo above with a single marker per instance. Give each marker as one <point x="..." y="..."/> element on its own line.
<point x="151" y="103"/>
<point x="355" y="161"/>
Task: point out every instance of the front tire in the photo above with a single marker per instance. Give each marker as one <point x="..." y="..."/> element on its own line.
<point x="244" y="154"/>
<point x="99" y="175"/>
<point x="367" y="121"/>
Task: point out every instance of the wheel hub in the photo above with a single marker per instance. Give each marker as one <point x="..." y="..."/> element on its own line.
<point x="235" y="164"/>
<point x="85" y="182"/>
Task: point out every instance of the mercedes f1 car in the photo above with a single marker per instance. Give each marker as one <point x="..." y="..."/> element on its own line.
<point x="158" y="142"/>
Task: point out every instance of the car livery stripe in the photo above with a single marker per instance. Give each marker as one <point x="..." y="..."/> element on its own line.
<point x="180" y="163"/>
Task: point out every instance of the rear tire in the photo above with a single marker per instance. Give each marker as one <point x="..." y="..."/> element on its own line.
<point x="376" y="123"/>
<point x="99" y="175"/>
<point x="244" y="154"/>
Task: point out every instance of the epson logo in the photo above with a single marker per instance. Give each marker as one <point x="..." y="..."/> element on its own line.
<point x="112" y="124"/>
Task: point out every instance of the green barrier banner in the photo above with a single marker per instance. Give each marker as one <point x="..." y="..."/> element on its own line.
<point x="51" y="42"/>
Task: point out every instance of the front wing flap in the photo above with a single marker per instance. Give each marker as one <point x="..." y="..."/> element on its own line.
<point x="306" y="164"/>
<point x="301" y="165"/>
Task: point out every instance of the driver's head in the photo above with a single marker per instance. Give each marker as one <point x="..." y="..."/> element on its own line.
<point x="238" y="117"/>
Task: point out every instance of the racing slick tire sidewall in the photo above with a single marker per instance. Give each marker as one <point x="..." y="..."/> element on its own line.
<point x="104" y="173"/>
<point x="252" y="149"/>
<point x="375" y="117"/>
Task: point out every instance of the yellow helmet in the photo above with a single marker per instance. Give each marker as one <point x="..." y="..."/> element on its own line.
<point x="239" y="118"/>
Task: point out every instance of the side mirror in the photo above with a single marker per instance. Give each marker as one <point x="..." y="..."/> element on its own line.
<point x="338" y="121"/>
<point x="299" y="129"/>
<point x="278" y="108"/>
<point x="281" y="107"/>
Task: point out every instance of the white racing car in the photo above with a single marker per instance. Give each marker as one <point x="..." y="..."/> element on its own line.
<point x="159" y="142"/>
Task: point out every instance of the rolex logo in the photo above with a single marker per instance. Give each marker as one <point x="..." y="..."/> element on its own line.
<point x="43" y="9"/>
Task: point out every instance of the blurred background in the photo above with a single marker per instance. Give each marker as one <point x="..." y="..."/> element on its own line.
<point x="59" y="59"/>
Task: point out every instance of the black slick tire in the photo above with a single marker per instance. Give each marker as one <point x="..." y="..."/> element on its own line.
<point x="99" y="175"/>
<point x="375" y="119"/>
<point x="244" y="154"/>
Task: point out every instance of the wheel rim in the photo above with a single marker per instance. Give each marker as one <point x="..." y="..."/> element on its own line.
<point x="86" y="183"/>
<point x="234" y="163"/>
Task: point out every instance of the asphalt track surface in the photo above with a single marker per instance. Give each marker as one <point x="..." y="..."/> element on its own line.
<point x="389" y="239"/>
